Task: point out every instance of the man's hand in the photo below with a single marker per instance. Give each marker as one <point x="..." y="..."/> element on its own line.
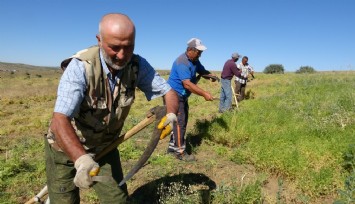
<point x="86" y="167"/>
<point x="208" y="96"/>
<point x="214" y="78"/>
<point x="166" y="124"/>
<point x="211" y="77"/>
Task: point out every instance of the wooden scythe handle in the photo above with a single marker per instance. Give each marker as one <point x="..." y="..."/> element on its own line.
<point x="235" y="98"/>
<point x="148" y="120"/>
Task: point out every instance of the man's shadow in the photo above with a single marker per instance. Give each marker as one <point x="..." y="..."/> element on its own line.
<point x="202" y="132"/>
<point x="153" y="191"/>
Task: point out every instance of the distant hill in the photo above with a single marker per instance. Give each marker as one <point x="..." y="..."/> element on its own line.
<point x="5" y="66"/>
<point x="13" y="67"/>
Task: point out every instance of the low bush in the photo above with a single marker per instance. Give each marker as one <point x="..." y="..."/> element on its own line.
<point x="274" y="69"/>
<point x="305" y="69"/>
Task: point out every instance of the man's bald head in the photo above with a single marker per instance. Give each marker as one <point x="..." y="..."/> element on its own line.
<point x="116" y="23"/>
<point x="116" y="39"/>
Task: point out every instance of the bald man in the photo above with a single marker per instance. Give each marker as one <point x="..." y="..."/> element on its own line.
<point x="94" y="97"/>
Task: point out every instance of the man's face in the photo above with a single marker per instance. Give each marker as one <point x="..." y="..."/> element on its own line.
<point x="244" y="61"/>
<point x="195" y="54"/>
<point x="117" y="50"/>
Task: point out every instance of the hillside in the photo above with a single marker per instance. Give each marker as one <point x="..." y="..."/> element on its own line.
<point x="5" y="66"/>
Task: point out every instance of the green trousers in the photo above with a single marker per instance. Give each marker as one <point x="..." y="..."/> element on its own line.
<point x="61" y="172"/>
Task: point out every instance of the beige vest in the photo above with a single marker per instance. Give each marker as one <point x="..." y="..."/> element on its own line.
<point x="102" y="113"/>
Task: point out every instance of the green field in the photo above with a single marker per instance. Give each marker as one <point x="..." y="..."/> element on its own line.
<point x="292" y="141"/>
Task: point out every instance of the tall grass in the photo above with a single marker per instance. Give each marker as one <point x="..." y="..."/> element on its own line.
<point x="298" y="127"/>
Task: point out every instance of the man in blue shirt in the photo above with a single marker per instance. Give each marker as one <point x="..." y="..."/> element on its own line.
<point x="94" y="97"/>
<point x="183" y="80"/>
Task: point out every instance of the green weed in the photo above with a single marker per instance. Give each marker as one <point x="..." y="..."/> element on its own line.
<point x="347" y="194"/>
<point x="247" y="194"/>
<point x="129" y="151"/>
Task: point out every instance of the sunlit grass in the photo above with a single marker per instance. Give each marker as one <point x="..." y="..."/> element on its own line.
<point x="297" y="129"/>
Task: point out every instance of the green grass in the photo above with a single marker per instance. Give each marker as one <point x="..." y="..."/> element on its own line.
<point x="246" y="194"/>
<point x="297" y="129"/>
<point x="21" y="167"/>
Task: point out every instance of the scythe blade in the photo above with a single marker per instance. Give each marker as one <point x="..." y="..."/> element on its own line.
<point x="160" y="112"/>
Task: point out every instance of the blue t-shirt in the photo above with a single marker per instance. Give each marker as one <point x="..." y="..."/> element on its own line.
<point x="184" y="69"/>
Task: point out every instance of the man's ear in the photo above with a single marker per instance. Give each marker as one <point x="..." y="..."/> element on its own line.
<point x="98" y="40"/>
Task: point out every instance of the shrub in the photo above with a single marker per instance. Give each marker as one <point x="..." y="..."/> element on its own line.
<point x="274" y="69"/>
<point x="305" y="69"/>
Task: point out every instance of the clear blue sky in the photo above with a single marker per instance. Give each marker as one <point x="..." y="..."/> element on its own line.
<point x="294" y="33"/>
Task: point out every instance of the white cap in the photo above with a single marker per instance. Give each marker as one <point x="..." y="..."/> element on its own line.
<point x="196" y="43"/>
<point x="236" y="55"/>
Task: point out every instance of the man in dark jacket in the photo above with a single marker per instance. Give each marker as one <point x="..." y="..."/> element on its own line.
<point x="229" y="70"/>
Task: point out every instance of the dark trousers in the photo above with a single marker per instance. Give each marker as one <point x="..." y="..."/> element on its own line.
<point x="177" y="142"/>
<point x="240" y="90"/>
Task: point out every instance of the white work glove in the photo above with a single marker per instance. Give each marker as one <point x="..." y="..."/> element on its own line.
<point x="86" y="167"/>
<point x="166" y="124"/>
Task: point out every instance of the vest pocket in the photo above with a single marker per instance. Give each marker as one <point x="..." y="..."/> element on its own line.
<point x="125" y="101"/>
<point x="127" y="97"/>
